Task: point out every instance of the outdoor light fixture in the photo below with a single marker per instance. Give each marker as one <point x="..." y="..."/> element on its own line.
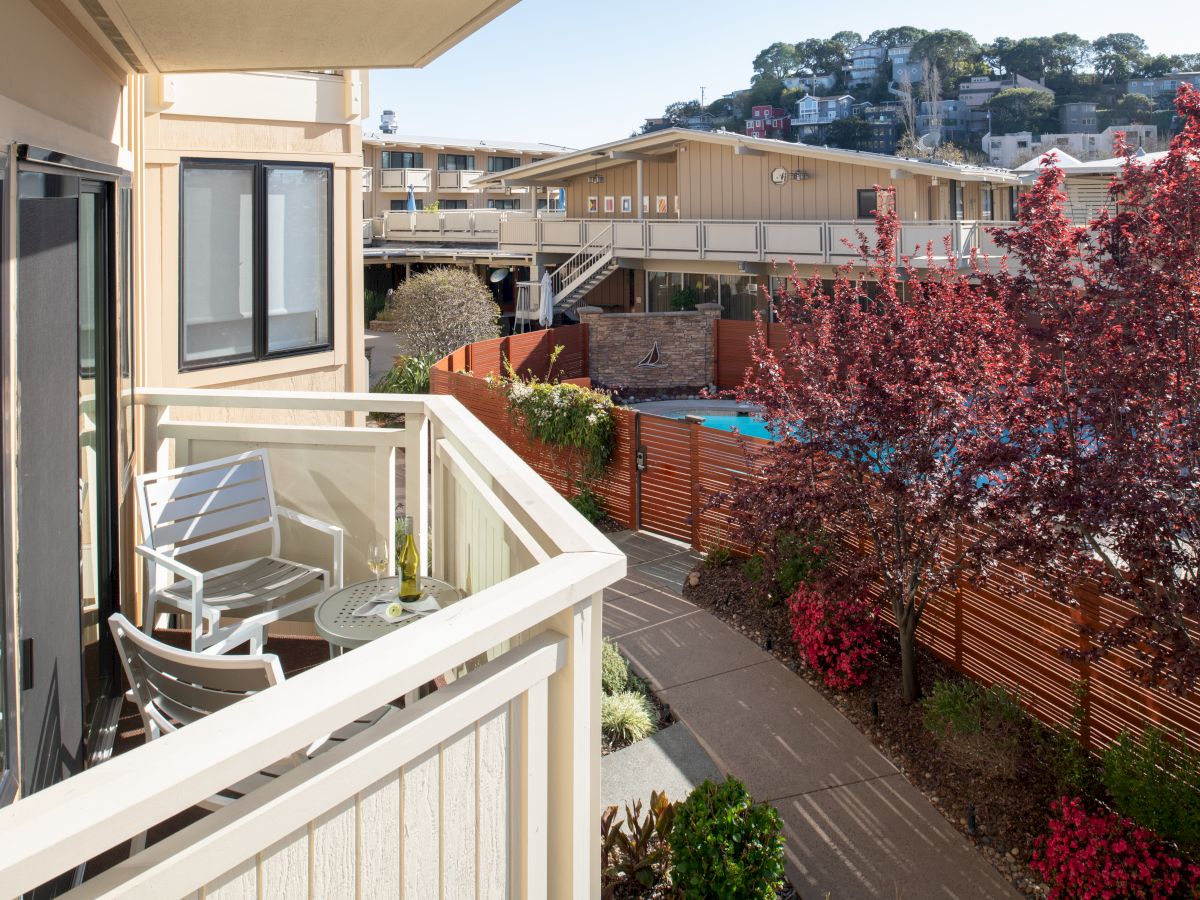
<point x="595" y="179"/>
<point x="799" y="174"/>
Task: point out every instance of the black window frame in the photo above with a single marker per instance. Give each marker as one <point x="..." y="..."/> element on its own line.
<point x="860" y="195"/>
<point x="259" y="341"/>
<point x="510" y="162"/>
<point x="958" y="209"/>
<point x="442" y="157"/>
<point x="987" y="203"/>
<point x="416" y="156"/>
<point x="510" y="203"/>
<point x="401" y="205"/>
<point x="452" y="205"/>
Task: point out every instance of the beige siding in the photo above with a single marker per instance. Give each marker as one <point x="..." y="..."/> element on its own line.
<point x="717" y="184"/>
<point x="169" y="138"/>
<point x="659" y="179"/>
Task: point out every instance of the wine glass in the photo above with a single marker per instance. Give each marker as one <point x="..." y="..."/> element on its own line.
<point x="377" y="559"/>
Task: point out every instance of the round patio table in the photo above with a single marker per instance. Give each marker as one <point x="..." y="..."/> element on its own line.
<point x="335" y="620"/>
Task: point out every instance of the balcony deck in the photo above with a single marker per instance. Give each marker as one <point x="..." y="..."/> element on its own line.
<point x="490" y="781"/>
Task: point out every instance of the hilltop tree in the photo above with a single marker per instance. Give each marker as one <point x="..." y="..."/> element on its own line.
<point x="1159" y="65"/>
<point x="1118" y="56"/>
<point x="775" y="62"/>
<point x="1037" y="57"/>
<point x="682" y="109"/>
<point x="1021" y="109"/>
<point x="955" y="53"/>
<point x="903" y="36"/>
<point x="848" y="40"/>
<point x="820" y="56"/>
<point x="1113" y="483"/>
<point x="1131" y="108"/>
<point x="897" y="411"/>
<point x="851" y="133"/>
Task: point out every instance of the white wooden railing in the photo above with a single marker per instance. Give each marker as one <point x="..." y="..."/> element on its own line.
<point x="456" y="224"/>
<point x="817" y="242"/>
<point x="488" y="786"/>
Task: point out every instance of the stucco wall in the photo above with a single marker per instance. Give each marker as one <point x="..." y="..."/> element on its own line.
<point x="619" y="342"/>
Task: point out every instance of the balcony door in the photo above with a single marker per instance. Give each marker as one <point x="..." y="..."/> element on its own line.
<point x="65" y="457"/>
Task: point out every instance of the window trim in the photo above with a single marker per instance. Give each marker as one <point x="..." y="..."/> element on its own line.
<point x="858" y="195"/>
<point x="493" y="158"/>
<point x="258" y="304"/>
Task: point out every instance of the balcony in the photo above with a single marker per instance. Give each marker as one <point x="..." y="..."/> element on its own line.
<point x="490" y="781"/>
<point x="401" y="179"/>
<point x="461" y="181"/>
<point x="469" y="225"/>
<point x="805" y="242"/>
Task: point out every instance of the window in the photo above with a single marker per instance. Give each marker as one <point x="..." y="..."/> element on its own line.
<point x="1014" y="204"/>
<point x="502" y="163"/>
<point x="403" y="159"/>
<point x="452" y="204"/>
<point x="256" y="277"/>
<point x="868" y="202"/>
<point x="956" y="200"/>
<point x="985" y="201"/>
<point x="504" y="204"/>
<point x="456" y="162"/>
<point x="402" y="205"/>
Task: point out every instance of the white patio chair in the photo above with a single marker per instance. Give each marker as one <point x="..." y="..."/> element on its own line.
<point x="225" y="502"/>
<point x="173" y="688"/>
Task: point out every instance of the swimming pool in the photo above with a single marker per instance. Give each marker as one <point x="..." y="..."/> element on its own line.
<point x="724" y="415"/>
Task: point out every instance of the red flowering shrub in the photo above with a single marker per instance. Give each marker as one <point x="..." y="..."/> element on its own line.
<point x="1092" y="855"/>
<point x="838" y="638"/>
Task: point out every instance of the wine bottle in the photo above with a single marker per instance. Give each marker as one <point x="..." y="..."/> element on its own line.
<point x="408" y="562"/>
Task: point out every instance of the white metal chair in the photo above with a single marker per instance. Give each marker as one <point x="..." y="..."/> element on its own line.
<point x="224" y="502"/>
<point x="173" y="688"/>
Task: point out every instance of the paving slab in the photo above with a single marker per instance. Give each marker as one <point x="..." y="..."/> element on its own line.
<point x="629" y="606"/>
<point x="775" y="731"/>
<point x="671" y="761"/>
<point x="641" y="547"/>
<point x="881" y="839"/>
<point x="687" y="648"/>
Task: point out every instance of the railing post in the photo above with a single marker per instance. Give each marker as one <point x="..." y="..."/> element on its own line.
<point x="574" y="756"/>
<point x="416" y="482"/>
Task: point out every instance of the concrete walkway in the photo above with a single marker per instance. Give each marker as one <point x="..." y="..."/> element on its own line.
<point x="854" y="825"/>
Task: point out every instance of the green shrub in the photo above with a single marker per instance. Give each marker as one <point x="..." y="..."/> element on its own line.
<point x="753" y="569"/>
<point x="685" y="299"/>
<point x="373" y="303"/>
<point x="410" y="377"/>
<point x="723" y="846"/>
<point x="1077" y="770"/>
<point x="443" y="309"/>
<point x="801" y="556"/>
<point x="717" y="557"/>
<point x="980" y="726"/>
<point x="627" y="716"/>
<point x="1157" y="784"/>
<point x="565" y="415"/>
<point x="614" y="671"/>
<point x="588" y="504"/>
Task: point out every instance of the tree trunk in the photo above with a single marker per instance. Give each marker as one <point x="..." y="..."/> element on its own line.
<point x="910" y="688"/>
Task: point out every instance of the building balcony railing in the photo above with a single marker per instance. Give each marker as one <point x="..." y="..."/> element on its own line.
<point x="814" y="242"/>
<point x="490" y="780"/>
<point x="451" y="225"/>
<point x="420" y="180"/>
<point x="461" y="180"/>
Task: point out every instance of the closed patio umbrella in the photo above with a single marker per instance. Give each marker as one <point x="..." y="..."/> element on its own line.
<point x="412" y="200"/>
<point x="546" y="313"/>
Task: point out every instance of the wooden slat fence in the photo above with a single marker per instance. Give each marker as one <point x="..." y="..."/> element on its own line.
<point x="1005" y="629"/>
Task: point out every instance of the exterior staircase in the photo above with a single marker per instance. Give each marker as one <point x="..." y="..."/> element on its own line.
<point x="575" y="278"/>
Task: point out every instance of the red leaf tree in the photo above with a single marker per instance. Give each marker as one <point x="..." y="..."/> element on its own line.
<point x="1114" y="481"/>
<point x="898" y="402"/>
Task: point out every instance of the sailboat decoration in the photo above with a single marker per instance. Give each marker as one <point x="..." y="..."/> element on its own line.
<point x="653" y="359"/>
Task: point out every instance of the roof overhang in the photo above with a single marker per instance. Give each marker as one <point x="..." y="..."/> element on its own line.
<point x="168" y="36"/>
<point x="663" y="145"/>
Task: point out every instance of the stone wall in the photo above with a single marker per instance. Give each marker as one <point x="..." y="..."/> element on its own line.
<point x="621" y="348"/>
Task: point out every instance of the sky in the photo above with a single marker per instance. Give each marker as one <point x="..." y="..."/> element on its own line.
<point x="563" y="72"/>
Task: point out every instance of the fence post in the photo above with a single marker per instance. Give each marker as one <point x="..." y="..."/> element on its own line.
<point x="694" y="436"/>
<point x="1086" y="613"/>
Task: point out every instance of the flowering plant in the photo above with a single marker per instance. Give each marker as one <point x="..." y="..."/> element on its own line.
<point x="838" y="638"/>
<point x="565" y="415"/>
<point x="1092" y="855"/>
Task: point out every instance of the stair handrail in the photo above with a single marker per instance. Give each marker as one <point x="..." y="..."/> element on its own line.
<point x="577" y="267"/>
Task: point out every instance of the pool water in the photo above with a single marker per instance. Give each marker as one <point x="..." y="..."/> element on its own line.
<point x="745" y="424"/>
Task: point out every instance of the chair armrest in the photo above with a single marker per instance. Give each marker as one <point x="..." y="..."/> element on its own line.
<point x="171" y="565"/>
<point x="316" y="524"/>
